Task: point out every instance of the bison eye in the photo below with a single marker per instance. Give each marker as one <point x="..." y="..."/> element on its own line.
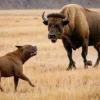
<point x="50" y="25"/>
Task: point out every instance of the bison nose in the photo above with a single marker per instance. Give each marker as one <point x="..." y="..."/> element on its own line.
<point x="51" y="35"/>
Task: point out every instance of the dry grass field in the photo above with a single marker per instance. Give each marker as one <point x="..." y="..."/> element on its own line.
<point x="47" y="70"/>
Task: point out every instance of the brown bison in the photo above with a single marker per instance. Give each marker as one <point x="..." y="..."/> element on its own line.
<point x="11" y="63"/>
<point x="76" y="26"/>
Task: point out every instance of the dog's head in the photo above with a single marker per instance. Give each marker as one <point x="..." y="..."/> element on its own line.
<point x="27" y="51"/>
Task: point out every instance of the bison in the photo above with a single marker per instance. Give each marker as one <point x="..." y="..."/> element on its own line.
<point x="77" y="27"/>
<point x="11" y="63"/>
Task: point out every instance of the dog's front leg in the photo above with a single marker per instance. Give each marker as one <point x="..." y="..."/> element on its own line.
<point x="23" y="77"/>
<point x="16" y="79"/>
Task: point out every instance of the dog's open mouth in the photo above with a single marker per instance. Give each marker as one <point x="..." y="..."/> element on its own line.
<point x="53" y="40"/>
<point x="33" y="53"/>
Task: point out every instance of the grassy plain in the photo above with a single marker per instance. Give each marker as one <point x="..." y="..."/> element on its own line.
<point x="47" y="70"/>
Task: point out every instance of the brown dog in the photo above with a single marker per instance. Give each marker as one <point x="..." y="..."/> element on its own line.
<point x="11" y="63"/>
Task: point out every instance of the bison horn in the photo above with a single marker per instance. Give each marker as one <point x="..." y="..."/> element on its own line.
<point x="45" y="21"/>
<point x="66" y="20"/>
<point x="43" y="16"/>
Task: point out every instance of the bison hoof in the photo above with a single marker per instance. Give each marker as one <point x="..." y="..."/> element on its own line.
<point x="2" y="90"/>
<point x="69" y="68"/>
<point x="96" y="64"/>
<point x="32" y="85"/>
<point x="89" y="63"/>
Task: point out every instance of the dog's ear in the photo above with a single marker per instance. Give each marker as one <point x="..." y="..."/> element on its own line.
<point x="19" y="47"/>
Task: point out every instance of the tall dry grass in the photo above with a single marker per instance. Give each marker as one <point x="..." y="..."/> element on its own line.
<point x="47" y="70"/>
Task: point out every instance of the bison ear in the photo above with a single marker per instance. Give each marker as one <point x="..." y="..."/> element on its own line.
<point x="45" y="22"/>
<point x="19" y="47"/>
<point x="65" y="22"/>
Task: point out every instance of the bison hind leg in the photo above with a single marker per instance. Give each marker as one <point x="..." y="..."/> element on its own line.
<point x="1" y="89"/>
<point x="0" y="83"/>
<point x="98" y="59"/>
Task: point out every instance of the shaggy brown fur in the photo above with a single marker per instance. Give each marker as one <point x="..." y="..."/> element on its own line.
<point x="56" y="15"/>
<point x="82" y="28"/>
<point x="11" y="63"/>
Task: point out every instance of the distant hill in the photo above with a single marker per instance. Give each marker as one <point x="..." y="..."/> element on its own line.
<point x="45" y="4"/>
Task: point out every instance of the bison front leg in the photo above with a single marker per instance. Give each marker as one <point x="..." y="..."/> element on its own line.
<point x="71" y="62"/>
<point x="85" y="51"/>
<point x="69" y="53"/>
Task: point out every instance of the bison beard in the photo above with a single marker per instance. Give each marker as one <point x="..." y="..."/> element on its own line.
<point x="54" y="40"/>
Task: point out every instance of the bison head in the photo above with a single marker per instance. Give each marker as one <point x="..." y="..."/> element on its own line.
<point x="56" y="23"/>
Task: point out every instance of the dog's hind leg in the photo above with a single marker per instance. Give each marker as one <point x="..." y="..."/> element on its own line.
<point x="16" y="79"/>
<point x="23" y="77"/>
<point x="0" y="83"/>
